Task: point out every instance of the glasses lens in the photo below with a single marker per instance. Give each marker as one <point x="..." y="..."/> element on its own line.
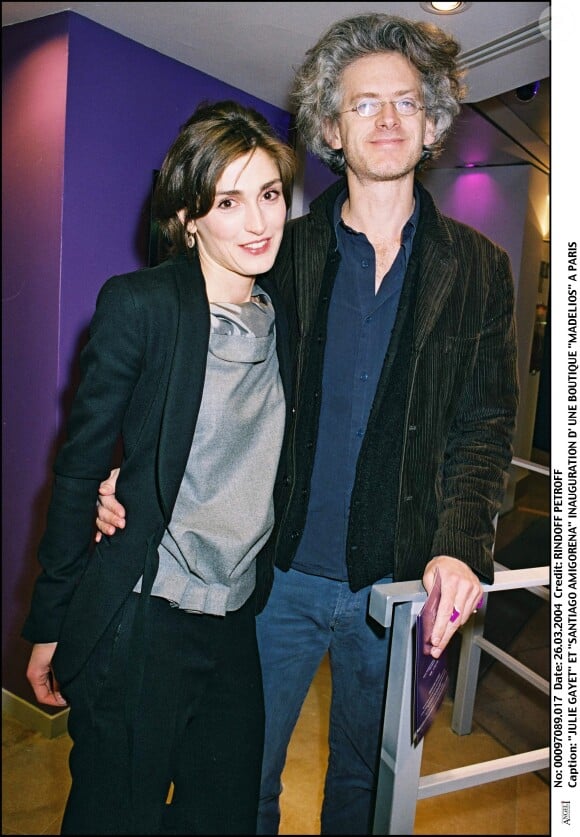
<point x="407" y="107"/>
<point x="368" y="107"/>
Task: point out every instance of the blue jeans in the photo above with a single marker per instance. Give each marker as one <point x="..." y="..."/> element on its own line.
<point x="305" y="617"/>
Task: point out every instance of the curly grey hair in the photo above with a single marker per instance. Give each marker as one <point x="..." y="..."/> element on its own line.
<point x="317" y="92"/>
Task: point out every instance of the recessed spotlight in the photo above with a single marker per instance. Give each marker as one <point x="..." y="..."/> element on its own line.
<point x="445" y="8"/>
<point x="527" y="92"/>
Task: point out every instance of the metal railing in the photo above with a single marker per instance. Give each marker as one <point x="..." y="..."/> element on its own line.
<point x="400" y="784"/>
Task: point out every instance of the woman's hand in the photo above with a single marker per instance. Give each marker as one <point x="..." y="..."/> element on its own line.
<point x="40" y="676"/>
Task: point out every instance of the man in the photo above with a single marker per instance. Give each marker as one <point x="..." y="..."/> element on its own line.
<point x="405" y="397"/>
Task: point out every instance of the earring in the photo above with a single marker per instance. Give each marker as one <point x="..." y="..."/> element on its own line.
<point x="190" y="238"/>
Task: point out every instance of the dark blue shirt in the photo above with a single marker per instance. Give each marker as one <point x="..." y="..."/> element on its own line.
<point x="360" y="324"/>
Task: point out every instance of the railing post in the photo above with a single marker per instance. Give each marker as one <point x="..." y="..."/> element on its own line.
<point x="400" y="762"/>
<point x="400" y="783"/>
<point x="468" y="673"/>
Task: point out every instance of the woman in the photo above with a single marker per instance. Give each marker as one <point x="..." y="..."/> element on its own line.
<point x="151" y="637"/>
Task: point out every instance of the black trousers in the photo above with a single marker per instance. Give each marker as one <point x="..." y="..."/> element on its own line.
<point x="196" y="727"/>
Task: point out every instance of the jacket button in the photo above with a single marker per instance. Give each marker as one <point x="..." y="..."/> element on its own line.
<point x="287" y="480"/>
<point x="295" y="535"/>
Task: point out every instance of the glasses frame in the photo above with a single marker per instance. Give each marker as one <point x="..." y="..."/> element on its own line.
<point x="381" y="103"/>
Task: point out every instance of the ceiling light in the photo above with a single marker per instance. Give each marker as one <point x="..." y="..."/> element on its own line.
<point x="445" y="8"/>
<point x="527" y="92"/>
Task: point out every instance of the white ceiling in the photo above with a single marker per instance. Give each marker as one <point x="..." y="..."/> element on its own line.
<point x="256" y="46"/>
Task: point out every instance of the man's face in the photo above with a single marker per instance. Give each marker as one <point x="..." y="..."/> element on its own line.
<point x="388" y="145"/>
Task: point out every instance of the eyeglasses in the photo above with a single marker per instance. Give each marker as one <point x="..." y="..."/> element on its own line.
<point x="370" y="107"/>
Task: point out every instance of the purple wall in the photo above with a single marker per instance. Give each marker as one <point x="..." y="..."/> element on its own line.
<point x="88" y="115"/>
<point x="33" y="111"/>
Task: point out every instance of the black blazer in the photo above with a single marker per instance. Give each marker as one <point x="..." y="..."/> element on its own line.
<point x="142" y="375"/>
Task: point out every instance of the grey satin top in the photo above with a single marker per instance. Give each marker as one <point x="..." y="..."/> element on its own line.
<point x="224" y="510"/>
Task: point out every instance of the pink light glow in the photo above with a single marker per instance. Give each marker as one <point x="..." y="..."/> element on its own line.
<point x="474" y="196"/>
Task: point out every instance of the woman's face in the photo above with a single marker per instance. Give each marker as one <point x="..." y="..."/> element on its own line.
<point x="241" y="234"/>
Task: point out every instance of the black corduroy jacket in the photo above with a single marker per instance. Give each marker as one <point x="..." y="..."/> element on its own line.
<point x="431" y="471"/>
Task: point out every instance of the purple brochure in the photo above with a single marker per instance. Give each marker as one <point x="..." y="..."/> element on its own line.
<point x="431" y="676"/>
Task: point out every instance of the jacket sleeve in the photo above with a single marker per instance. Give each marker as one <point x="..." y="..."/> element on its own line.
<point x="479" y="447"/>
<point x="110" y="366"/>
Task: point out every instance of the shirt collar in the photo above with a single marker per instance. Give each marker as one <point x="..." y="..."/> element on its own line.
<point x="408" y="230"/>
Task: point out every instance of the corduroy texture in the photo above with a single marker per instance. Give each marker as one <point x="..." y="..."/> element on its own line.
<point x="431" y="472"/>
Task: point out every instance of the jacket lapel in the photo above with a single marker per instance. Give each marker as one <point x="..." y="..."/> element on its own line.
<point x="437" y="267"/>
<point x="282" y="334"/>
<point x="186" y="379"/>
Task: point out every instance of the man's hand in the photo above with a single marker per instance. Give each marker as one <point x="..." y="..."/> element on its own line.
<point x="110" y="513"/>
<point x="461" y="594"/>
<point x="40" y="676"/>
